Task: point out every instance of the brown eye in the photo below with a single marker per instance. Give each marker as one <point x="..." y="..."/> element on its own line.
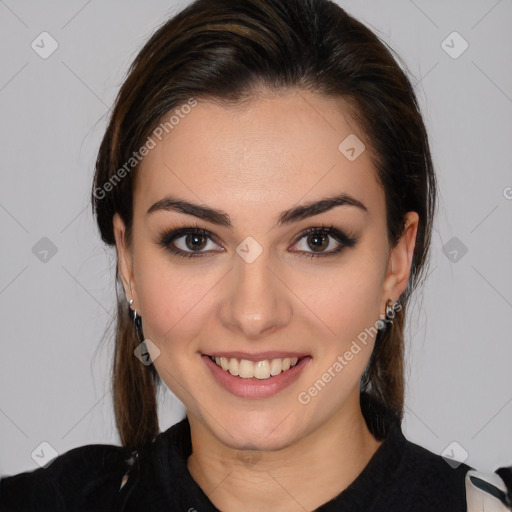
<point x="195" y="242"/>
<point x="188" y="242"/>
<point x="318" y="242"/>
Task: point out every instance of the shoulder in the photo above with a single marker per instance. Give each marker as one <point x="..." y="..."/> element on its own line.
<point x="75" y="480"/>
<point x="427" y="481"/>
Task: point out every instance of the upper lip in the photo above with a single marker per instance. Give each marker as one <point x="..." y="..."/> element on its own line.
<point x="260" y="356"/>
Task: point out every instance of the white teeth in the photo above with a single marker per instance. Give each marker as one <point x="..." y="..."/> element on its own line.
<point x="233" y="366"/>
<point x="276" y="367"/>
<point x="260" y="370"/>
<point x="246" y="369"/>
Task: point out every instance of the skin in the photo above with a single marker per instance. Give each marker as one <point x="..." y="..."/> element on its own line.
<point x="278" y="151"/>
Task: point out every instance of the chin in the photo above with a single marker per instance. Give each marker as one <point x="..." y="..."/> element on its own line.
<point x="260" y="441"/>
<point x="259" y="431"/>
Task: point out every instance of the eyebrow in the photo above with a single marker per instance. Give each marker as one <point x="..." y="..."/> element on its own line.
<point x="221" y="218"/>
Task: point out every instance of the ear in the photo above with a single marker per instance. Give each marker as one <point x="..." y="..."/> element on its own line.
<point x="124" y="257"/>
<point x="400" y="260"/>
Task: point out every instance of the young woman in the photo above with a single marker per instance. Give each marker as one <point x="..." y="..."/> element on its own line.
<point x="267" y="182"/>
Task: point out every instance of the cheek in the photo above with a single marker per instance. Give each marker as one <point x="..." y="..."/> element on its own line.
<point x="172" y="299"/>
<point x="346" y="300"/>
<point x="173" y="305"/>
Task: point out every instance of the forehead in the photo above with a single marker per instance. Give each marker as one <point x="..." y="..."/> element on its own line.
<point x="277" y="150"/>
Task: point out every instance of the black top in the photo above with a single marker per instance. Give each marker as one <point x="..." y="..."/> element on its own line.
<point x="401" y="476"/>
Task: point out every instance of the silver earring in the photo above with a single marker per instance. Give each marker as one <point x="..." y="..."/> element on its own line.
<point x="389" y="316"/>
<point x="390" y="310"/>
<point x="137" y="320"/>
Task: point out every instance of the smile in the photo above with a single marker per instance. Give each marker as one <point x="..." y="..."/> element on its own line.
<point x="256" y="376"/>
<point x="264" y="369"/>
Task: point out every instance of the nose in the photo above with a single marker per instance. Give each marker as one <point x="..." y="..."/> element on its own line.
<point x="256" y="302"/>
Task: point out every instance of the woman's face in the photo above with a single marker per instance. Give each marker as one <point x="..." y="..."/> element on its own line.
<point x="253" y="286"/>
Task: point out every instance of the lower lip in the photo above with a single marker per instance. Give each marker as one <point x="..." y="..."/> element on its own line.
<point x="255" y="388"/>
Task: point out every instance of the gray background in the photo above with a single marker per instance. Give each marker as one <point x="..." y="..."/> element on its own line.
<point x="54" y="369"/>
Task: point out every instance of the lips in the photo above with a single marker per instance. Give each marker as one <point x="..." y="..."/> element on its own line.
<point x="262" y="384"/>
<point x="261" y="369"/>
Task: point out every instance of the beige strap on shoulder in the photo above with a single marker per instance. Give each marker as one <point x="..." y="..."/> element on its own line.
<point x="486" y="492"/>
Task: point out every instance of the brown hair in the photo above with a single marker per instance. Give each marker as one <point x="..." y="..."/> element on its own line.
<point x="222" y="50"/>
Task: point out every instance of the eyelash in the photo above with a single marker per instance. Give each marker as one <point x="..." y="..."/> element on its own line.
<point x="168" y="236"/>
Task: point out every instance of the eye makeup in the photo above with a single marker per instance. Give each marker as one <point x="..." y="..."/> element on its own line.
<point x="195" y="237"/>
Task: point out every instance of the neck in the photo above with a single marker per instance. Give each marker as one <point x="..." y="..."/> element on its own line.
<point x="286" y="479"/>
